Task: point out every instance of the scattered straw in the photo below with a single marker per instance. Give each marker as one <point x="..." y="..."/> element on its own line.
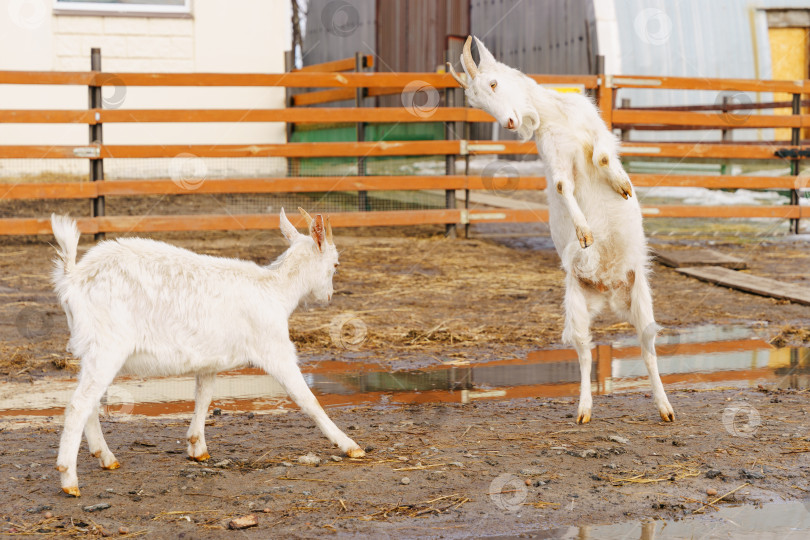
<point x="720" y="498"/>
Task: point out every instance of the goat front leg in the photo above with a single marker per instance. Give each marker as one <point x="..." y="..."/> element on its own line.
<point x="286" y="371"/>
<point x="561" y="168"/>
<point x="97" y="444"/>
<point x="197" y="449"/>
<point x="606" y="161"/>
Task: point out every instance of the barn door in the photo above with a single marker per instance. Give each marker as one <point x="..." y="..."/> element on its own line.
<point x="789" y="37"/>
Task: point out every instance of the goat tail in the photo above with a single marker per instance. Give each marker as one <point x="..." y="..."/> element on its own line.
<point x="67" y="236"/>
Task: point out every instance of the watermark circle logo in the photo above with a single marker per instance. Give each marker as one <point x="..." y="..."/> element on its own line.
<point x="188" y="171"/>
<point x="28" y="14"/>
<point x="348" y="331"/>
<point x="741" y="420"/>
<point x="113" y="91"/>
<point x="340" y="18"/>
<point x="500" y="178"/>
<point x="739" y="100"/>
<point x="653" y="26"/>
<point x="34" y="323"/>
<point x="119" y="403"/>
<point x="420" y="98"/>
<point x="508" y="492"/>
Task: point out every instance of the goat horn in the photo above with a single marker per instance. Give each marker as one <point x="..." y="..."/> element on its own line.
<point x="469" y="63"/>
<point x="329" y="239"/>
<point x="306" y="216"/>
<point x="456" y="76"/>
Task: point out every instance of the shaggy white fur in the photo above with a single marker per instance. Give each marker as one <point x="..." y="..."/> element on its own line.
<point x="595" y="220"/>
<point x="147" y="308"/>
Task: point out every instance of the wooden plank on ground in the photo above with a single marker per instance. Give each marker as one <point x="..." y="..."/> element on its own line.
<point x="750" y="283"/>
<point x="697" y="257"/>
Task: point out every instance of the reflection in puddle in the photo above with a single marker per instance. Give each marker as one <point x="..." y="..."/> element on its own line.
<point x="730" y="361"/>
<point x="783" y="521"/>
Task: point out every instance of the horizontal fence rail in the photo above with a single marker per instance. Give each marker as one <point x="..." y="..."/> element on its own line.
<point x="335" y="81"/>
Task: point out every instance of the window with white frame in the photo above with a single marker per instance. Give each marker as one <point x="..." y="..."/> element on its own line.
<point x="151" y="8"/>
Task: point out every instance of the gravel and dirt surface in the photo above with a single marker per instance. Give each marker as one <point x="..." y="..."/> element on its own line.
<point x="487" y="468"/>
<point x="421" y="299"/>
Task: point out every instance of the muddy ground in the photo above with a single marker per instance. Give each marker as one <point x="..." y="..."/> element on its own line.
<point x="414" y="296"/>
<point x="481" y="469"/>
<point x="419" y="298"/>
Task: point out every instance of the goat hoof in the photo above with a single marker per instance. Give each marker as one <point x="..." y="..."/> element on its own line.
<point x="114" y="465"/>
<point x="667" y="416"/>
<point x="356" y="453"/>
<point x="585" y="239"/>
<point x="584" y="418"/>
<point x="72" y="491"/>
<point x="203" y="457"/>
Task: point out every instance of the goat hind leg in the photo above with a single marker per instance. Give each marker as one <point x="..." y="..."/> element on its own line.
<point x="97" y="444"/>
<point x="641" y="316"/>
<point x="287" y="373"/>
<point x="77" y="413"/>
<point x="577" y="333"/>
<point x="197" y="449"/>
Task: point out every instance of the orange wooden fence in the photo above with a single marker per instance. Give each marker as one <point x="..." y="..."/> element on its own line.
<point x="335" y="84"/>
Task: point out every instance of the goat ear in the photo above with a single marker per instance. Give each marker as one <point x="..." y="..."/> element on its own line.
<point x="485" y="57"/>
<point x="318" y="232"/>
<point x="287" y="228"/>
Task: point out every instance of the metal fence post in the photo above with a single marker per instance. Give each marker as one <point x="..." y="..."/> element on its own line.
<point x="97" y="164"/>
<point x="360" y="93"/>
<point x="625" y="133"/>
<point x="449" y="159"/>
<point x="293" y="164"/>
<point x="795" y="137"/>
<point x="467" y="132"/>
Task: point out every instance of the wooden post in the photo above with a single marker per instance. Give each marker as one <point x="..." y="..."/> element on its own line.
<point x="450" y="159"/>
<point x="604" y="367"/>
<point x="605" y="101"/>
<point x="97" y="164"/>
<point x="795" y="137"/>
<point x="362" y="196"/>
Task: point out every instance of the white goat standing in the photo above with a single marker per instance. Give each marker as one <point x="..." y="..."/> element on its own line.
<point x="585" y="176"/>
<point x="147" y="308"/>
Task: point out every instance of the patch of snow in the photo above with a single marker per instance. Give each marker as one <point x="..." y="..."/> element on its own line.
<point x="713" y="197"/>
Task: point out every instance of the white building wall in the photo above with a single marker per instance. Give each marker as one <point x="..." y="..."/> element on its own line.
<point x="244" y="36"/>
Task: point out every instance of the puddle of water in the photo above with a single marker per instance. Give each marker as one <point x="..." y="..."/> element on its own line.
<point x="732" y="359"/>
<point x="782" y="521"/>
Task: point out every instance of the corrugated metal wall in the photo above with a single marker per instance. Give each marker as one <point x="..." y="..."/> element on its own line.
<point x="413" y="34"/>
<point x="337" y="29"/>
<point x="695" y="38"/>
<point x="542" y="36"/>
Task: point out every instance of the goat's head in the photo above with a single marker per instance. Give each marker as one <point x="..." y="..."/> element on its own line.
<point x="498" y="89"/>
<point x="314" y="255"/>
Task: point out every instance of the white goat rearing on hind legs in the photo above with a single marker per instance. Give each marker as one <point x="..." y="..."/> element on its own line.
<point x="595" y="221"/>
<point x="147" y="308"/>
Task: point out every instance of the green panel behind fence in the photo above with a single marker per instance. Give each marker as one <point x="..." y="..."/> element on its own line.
<point x="432" y="131"/>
